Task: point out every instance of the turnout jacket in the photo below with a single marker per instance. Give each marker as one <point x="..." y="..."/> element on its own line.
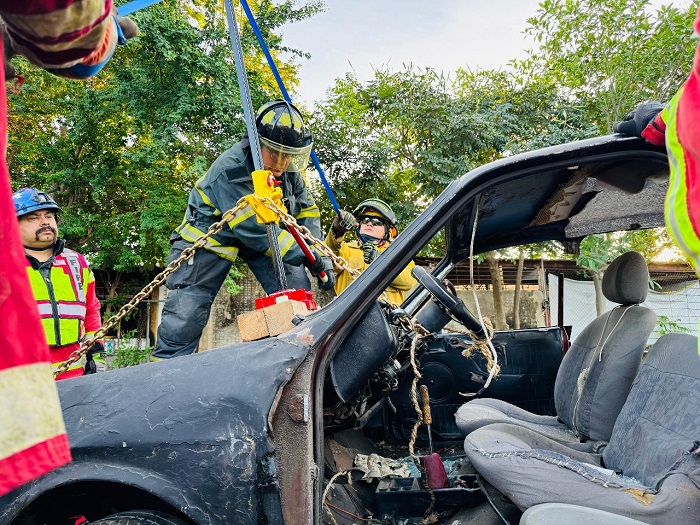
<point x="27" y="391"/>
<point x="229" y="179"/>
<point x="352" y="252"/>
<point x="64" y="290"/>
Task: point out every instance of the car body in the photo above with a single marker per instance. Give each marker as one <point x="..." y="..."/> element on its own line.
<point x="237" y="435"/>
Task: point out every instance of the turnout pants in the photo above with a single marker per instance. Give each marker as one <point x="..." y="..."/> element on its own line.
<point x="193" y="287"/>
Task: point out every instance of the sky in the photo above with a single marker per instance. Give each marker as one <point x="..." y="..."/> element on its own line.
<point x="363" y="35"/>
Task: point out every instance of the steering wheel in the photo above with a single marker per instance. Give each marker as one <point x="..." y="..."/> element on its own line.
<point x="452" y="305"/>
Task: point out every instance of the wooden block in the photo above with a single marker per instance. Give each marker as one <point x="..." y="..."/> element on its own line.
<point x="252" y="325"/>
<point x="269" y="321"/>
<point x="279" y="316"/>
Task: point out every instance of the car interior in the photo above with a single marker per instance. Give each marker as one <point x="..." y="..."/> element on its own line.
<point x="593" y="430"/>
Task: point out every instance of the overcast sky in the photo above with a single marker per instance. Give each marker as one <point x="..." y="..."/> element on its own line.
<point x="363" y="35"/>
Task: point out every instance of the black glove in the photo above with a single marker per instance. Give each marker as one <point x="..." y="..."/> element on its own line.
<point x="323" y="264"/>
<point x="343" y="223"/>
<point x="636" y="120"/>
<point x="370" y="251"/>
<point x="90" y="365"/>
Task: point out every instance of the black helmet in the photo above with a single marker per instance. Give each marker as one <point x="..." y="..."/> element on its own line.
<point x="281" y="122"/>
<point x="281" y="130"/>
<point x="28" y="200"/>
<point x="378" y="208"/>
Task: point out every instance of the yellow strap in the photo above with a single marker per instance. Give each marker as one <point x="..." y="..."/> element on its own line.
<point x="29" y="408"/>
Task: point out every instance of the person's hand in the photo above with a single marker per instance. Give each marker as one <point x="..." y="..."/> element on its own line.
<point x="370" y="251"/>
<point x="127" y="26"/>
<point x="343" y="223"/>
<point x="323" y="264"/>
<point x="90" y="365"/>
<point x="644" y="121"/>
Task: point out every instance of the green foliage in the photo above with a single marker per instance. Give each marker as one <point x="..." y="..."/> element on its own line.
<point x="235" y="274"/>
<point x="609" y="55"/>
<point x="130" y="355"/>
<point x="120" y="152"/>
<point x="665" y="325"/>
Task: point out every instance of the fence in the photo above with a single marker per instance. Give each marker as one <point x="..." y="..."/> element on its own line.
<point x="675" y="298"/>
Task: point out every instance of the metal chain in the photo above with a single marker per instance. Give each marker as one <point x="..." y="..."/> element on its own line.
<point x="187" y="253"/>
<point x="289" y="220"/>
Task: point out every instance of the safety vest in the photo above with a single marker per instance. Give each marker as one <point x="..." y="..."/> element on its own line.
<point x="61" y="298"/>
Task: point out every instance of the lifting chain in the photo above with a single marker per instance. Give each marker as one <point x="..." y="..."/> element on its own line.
<point x="289" y="220"/>
<point x="187" y="253"/>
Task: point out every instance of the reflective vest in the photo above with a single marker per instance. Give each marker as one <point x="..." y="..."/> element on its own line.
<point x="62" y="298"/>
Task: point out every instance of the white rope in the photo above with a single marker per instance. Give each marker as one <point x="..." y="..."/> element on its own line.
<point x="487" y="335"/>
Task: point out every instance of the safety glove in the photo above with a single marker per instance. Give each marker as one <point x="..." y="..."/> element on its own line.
<point x="370" y="251"/>
<point x="90" y="365"/>
<point x="323" y="264"/>
<point x="644" y="121"/>
<point x="343" y="223"/>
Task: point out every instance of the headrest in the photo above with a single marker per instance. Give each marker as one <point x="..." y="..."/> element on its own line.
<point x="626" y="281"/>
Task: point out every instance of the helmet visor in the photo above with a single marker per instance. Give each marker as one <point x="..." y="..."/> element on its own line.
<point x="286" y="158"/>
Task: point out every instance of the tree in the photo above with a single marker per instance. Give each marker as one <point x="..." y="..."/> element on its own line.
<point x="121" y="151"/>
<point x="609" y="55"/>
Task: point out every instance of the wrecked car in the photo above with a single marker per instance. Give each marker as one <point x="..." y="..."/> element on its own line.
<point x="254" y="433"/>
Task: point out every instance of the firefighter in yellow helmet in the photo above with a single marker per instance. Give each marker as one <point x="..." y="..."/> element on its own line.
<point x="374" y="223"/>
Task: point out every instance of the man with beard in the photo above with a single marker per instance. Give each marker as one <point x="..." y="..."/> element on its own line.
<point x="62" y="282"/>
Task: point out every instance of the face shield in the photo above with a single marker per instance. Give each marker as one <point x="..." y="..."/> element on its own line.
<point x="284" y="158"/>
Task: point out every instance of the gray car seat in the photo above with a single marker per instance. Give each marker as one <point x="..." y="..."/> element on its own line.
<point x="650" y="470"/>
<point x="561" y="513"/>
<point x="596" y="373"/>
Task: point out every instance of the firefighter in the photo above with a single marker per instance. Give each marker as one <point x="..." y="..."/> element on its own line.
<point x="61" y="280"/>
<point x="677" y="126"/>
<point x="374" y="223"/>
<point x="285" y="147"/>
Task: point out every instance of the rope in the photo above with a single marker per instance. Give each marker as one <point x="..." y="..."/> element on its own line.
<point x="429" y="517"/>
<point x="493" y="362"/>
<point x="328" y="488"/>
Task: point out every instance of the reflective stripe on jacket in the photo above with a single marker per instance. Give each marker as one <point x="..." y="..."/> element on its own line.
<point x="227" y="180"/>
<point x="66" y="301"/>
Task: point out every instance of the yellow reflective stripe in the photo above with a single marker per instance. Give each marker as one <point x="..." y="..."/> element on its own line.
<point x="285" y="242"/>
<point x="29" y="408"/>
<point x="226" y="252"/>
<point x="204" y="196"/>
<point x="311" y="211"/>
<point x="242" y="215"/>
<point x="74" y="366"/>
<point x="191" y="234"/>
<point x="676" y="206"/>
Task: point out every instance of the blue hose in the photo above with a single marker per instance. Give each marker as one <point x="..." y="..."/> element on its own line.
<point x="286" y="96"/>
<point x="134" y="6"/>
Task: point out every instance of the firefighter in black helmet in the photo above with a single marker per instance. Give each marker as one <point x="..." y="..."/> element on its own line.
<point x="374" y="223"/>
<point x="285" y="146"/>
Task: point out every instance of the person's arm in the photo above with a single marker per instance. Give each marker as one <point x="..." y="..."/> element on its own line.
<point x="333" y="242"/>
<point x="69" y="38"/>
<point x="93" y="320"/>
<point x="404" y="281"/>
